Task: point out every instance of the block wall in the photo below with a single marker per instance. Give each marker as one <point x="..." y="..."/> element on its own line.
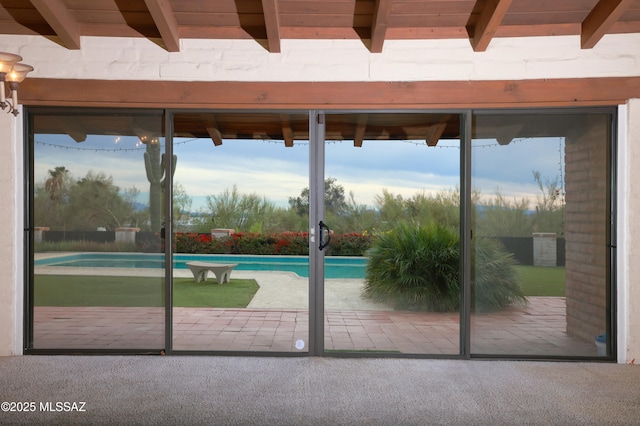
<point x="586" y="183"/>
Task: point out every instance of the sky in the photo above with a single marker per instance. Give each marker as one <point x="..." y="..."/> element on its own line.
<point x="269" y="168"/>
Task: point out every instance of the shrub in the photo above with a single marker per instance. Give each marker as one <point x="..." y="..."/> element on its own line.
<point x="285" y="243"/>
<point x="291" y="243"/>
<point x="352" y="244"/>
<point x="82" y="245"/>
<point x="415" y="268"/>
<point x="418" y="268"/>
<point x="493" y="276"/>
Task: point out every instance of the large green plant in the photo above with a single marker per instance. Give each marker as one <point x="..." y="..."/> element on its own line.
<point x="418" y="268"/>
<point x="415" y="267"/>
<point x="494" y="280"/>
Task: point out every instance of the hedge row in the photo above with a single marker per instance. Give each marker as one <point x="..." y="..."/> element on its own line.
<point x="285" y="243"/>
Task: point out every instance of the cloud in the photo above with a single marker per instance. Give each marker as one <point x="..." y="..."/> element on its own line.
<point x="277" y="172"/>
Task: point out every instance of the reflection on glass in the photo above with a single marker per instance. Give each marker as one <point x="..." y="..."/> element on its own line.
<point x="539" y="272"/>
<point x="241" y="264"/>
<point x="392" y="202"/>
<point x="98" y="264"/>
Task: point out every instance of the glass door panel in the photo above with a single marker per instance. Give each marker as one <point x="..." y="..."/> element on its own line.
<point x="540" y="242"/>
<point x="97" y="212"/>
<point x="392" y="203"/>
<point x="241" y="214"/>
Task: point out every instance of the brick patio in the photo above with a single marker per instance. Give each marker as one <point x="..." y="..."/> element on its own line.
<point x="537" y="329"/>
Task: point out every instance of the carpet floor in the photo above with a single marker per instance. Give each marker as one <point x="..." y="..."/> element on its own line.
<point x="194" y="390"/>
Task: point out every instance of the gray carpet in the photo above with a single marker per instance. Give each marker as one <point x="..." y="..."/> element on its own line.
<point x="316" y="391"/>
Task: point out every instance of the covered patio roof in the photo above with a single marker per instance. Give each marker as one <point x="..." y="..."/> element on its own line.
<point x="289" y="127"/>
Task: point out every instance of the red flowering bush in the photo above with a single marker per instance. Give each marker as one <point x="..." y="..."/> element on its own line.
<point x="352" y="244"/>
<point x="285" y="243"/>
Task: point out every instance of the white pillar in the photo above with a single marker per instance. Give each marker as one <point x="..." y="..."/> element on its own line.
<point x="126" y="235"/>
<point x="628" y="248"/>
<point x="545" y="251"/>
<point x="11" y="250"/>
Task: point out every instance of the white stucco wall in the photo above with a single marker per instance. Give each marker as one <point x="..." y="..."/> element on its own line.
<point x="319" y="60"/>
<point x="329" y="60"/>
<point x="11" y="248"/>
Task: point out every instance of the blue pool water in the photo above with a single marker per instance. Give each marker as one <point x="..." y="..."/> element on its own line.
<point x="335" y="267"/>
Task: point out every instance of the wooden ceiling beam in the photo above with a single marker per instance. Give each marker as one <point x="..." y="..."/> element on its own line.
<point x="482" y="32"/>
<point x="272" y="24"/>
<point x="600" y="20"/>
<point x="166" y="23"/>
<point x="434" y="133"/>
<point x="212" y="128"/>
<point x="71" y="127"/>
<point x="287" y="131"/>
<point x="323" y="95"/>
<point x="361" y="128"/>
<point x="61" y="20"/>
<point x="506" y="134"/>
<point x="381" y="14"/>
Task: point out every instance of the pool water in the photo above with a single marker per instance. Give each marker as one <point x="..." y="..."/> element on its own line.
<point x="335" y="267"/>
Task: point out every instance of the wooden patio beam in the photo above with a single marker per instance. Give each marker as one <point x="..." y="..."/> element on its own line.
<point x="481" y="34"/>
<point x="272" y="24"/>
<point x="166" y="23"/>
<point x="506" y="134"/>
<point x="434" y="133"/>
<point x="600" y="20"/>
<point x="361" y="128"/>
<point x="61" y="20"/>
<point x="73" y="129"/>
<point x="287" y="131"/>
<point x="323" y="95"/>
<point x="212" y="129"/>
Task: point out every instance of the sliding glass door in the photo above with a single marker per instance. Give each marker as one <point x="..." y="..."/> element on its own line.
<point x="439" y="234"/>
<point x="240" y="232"/>
<point x="392" y="281"/>
<point x="541" y="242"/>
<point x="97" y="213"/>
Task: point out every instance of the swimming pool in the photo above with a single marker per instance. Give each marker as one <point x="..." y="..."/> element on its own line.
<point x="335" y="266"/>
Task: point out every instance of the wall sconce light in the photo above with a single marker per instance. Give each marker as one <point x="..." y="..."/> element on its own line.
<point x="13" y="73"/>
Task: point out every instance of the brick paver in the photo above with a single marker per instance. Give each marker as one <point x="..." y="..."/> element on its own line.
<point x="537" y="329"/>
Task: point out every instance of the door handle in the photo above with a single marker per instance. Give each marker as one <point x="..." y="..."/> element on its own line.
<point x="323" y="244"/>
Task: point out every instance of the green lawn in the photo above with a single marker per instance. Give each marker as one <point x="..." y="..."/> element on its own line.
<point x="77" y="290"/>
<point x="542" y="280"/>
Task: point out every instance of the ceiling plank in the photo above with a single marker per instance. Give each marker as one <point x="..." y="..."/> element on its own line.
<point x="483" y="31"/>
<point x="434" y="133"/>
<point x="166" y="23"/>
<point x="380" y="23"/>
<point x="287" y="131"/>
<point x="61" y="20"/>
<point x="272" y="24"/>
<point x="600" y="20"/>
<point x="361" y="128"/>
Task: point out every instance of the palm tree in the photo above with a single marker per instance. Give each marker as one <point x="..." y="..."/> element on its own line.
<point x="56" y="186"/>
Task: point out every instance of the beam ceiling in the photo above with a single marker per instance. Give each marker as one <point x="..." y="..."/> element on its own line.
<point x="269" y="22"/>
